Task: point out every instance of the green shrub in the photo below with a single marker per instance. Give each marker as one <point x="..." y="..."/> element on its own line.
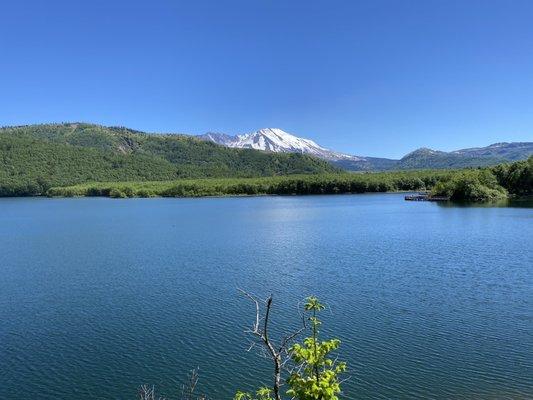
<point x="117" y="194"/>
<point x="474" y="185"/>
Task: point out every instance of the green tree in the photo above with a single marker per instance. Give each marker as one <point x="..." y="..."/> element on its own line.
<point x="318" y="377"/>
<point x="471" y="185"/>
<point x="312" y="374"/>
<point x="261" y="394"/>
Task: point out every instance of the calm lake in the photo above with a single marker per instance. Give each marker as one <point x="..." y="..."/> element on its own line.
<point x="98" y="296"/>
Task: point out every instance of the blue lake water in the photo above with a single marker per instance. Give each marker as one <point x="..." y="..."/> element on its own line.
<point x="98" y="296"/>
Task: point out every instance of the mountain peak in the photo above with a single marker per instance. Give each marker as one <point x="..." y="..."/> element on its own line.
<point x="275" y="131"/>
<point x="421" y="152"/>
<point x="278" y="141"/>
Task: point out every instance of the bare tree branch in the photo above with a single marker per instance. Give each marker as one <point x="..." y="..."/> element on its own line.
<point x="279" y="355"/>
<point x="148" y="393"/>
<point x="187" y="389"/>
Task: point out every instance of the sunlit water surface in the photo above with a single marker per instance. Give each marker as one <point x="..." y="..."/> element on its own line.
<point x="98" y="296"/>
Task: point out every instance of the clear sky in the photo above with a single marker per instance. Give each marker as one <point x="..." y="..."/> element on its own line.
<point x="376" y="78"/>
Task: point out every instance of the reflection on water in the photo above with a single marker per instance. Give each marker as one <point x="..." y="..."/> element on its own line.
<point x="520" y="202"/>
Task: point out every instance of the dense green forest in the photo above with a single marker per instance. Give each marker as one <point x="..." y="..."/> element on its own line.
<point x="287" y="185"/>
<point x="479" y="184"/>
<point x="37" y="157"/>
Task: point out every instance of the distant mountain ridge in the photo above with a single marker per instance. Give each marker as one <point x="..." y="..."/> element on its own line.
<point x="510" y="151"/>
<point x="278" y="141"/>
<point x="70" y="153"/>
<point x="471" y="157"/>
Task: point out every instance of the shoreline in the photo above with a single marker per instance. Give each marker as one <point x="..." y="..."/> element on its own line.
<point x="511" y="201"/>
<point x="221" y="196"/>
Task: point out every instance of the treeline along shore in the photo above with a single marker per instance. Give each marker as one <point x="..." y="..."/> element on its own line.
<point x="481" y="184"/>
<point x="278" y="185"/>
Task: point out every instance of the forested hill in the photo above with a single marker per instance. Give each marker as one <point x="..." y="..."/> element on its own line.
<point x="425" y="158"/>
<point x="36" y="157"/>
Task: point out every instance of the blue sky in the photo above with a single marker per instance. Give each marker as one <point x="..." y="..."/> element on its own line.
<point x="377" y="78"/>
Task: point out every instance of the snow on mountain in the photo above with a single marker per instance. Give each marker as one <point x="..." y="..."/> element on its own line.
<point x="422" y="152"/>
<point x="278" y="141"/>
<point x="219" y="138"/>
<point x="509" y="151"/>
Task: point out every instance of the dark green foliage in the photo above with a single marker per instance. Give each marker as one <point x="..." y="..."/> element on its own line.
<point x="472" y="185"/>
<point x="284" y="185"/>
<point x="517" y="177"/>
<point x="35" y="158"/>
<point x="488" y="183"/>
<point x="29" y="166"/>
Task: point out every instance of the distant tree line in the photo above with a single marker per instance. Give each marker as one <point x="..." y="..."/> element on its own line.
<point x="480" y="184"/>
<point x="280" y="185"/>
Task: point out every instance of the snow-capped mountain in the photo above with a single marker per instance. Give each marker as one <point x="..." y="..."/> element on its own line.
<point x="278" y="141"/>
<point x="218" y="138"/>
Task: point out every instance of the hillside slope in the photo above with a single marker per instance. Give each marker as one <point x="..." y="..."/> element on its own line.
<point x="424" y="158"/>
<point x="35" y="157"/>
